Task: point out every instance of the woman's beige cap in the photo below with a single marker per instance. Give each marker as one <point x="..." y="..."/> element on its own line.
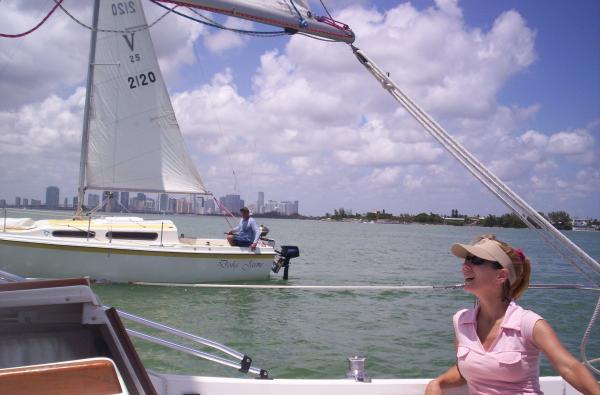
<point x="489" y="250"/>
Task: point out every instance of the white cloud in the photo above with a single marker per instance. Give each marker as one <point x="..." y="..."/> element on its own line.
<point x="576" y="142"/>
<point x="386" y="176"/>
<point x="534" y="139"/>
<point x="224" y="40"/>
<point x="53" y="59"/>
<point x="315" y="119"/>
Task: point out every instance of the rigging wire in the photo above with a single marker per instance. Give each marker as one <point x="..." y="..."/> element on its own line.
<point x="146" y="27"/>
<point x="318" y="38"/>
<point x="326" y="10"/>
<point x="19" y="35"/>
<point x="254" y="33"/>
<point x="301" y="21"/>
<point x="217" y="119"/>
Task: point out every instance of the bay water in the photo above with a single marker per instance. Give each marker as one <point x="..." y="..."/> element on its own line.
<point x="299" y="333"/>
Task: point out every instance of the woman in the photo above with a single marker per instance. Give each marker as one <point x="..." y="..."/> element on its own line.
<point x="498" y="343"/>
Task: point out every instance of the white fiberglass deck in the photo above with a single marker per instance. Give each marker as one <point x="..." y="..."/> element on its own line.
<point x="175" y="384"/>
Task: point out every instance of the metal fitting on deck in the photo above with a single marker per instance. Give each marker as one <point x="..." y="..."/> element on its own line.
<point x="356" y="369"/>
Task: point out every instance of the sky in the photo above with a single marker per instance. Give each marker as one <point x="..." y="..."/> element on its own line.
<point x="516" y="82"/>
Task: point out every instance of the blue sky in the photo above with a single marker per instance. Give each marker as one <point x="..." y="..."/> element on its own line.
<point x="517" y="82"/>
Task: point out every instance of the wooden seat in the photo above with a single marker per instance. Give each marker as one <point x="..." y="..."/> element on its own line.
<point x="95" y="376"/>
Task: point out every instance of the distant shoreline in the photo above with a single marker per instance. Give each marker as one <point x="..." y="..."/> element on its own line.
<point x="562" y="220"/>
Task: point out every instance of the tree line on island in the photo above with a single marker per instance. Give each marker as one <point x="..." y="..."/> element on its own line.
<point x="560" y="219"/>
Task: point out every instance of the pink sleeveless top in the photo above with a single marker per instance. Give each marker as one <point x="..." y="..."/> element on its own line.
<point x="511" y="366"/>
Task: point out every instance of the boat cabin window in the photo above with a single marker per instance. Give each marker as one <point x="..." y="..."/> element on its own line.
<point x="132" y="235"/>
<point x="73" y="233"/>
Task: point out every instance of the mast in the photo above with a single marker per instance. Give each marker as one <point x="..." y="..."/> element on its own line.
<point x="86" y="111"/>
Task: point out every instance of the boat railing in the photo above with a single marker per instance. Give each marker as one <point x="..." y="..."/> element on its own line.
<point x="243" y="363"/>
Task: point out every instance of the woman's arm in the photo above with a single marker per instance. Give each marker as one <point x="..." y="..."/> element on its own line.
<point x="450" y="378"/>
<point x="573" y="371"/>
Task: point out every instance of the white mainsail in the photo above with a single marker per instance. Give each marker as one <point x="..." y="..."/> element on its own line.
<point x="134" y="141"/>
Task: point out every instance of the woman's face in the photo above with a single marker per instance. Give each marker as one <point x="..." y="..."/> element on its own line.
<point x="482" y="277"/>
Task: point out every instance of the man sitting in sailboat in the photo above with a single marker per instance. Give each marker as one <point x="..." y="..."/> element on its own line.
<point x="247" y="231"/>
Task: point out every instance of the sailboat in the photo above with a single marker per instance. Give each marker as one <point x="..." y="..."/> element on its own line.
<point x="131" y="141"/>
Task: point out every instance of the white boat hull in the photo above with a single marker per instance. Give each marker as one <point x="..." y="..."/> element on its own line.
<point x="176" y="384"/>
<point x="156" y="264"/>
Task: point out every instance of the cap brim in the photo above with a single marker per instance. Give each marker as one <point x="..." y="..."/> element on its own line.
<point x="462" y="250"/>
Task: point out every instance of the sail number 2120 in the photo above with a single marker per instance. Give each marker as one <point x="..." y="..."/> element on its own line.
<point x="141" y="80"/>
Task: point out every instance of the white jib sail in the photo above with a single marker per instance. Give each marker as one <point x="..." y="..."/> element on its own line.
<point x="134" y="140"/>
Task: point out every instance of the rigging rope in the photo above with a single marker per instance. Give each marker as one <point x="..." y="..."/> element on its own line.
<point x="36" y="26"/>
<point x="301" y="20"/>
<point x="586" y="337"/>
<point x="556" y="240"/>
<point x="326" y="10"/>
<point x="223" y="208"/>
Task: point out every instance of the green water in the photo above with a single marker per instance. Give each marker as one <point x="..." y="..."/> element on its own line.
<point x="310" y="333"/>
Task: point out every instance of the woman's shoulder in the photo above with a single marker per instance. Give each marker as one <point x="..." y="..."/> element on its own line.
<point x="522" y="319"/>
<point x="464" y="316"/>
<point x="522" y="313"/>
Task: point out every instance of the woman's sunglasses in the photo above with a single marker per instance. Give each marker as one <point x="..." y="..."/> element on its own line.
<point x="477" y="261"/>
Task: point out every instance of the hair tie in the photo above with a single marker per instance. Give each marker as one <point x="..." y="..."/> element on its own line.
<point x="519" y="252"/>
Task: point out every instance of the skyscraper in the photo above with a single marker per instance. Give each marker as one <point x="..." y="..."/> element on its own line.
<point x="111" y="201"/>
<point x="93" y="200"/>
<point x="124" y="201"/>
<point x="260" y="204"/>
<point x="52" y="197"/>
<point x="163" y="205"/>
<point x="232" y="203"/>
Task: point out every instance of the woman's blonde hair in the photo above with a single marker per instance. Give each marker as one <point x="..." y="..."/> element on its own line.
<point x="521" y="264"/>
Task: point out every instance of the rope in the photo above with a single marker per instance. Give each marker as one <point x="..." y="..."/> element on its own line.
<point x="586" y="337"/>
<point x="36" y="26"/>
<point x="489" y="180"/>
<point x="222" y="207"/>
<point x="115" y="31"/>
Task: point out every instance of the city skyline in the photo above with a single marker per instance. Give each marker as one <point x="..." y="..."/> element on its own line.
<point x="143" y="203"/>
<point x="120" y="201"/>
<point x="514" y="81"/>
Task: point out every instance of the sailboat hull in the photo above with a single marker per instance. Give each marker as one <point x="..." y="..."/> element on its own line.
<point x="41" y="250"/>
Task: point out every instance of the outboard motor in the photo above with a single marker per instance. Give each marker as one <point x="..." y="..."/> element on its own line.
<point x="282" y="259"/>
<point x="264" y="231"/>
